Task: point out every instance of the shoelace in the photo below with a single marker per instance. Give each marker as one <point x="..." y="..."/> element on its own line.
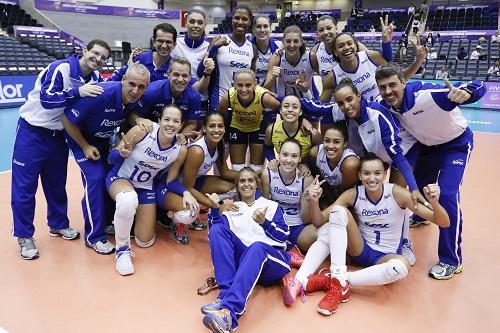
<point x="28" y="243"/>
<point x="120" y="253"/>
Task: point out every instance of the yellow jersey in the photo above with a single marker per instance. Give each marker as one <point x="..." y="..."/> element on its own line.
<point x="247" y="118"/>
<point x="279" y="135"/>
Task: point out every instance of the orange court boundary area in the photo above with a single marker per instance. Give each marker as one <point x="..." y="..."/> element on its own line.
<point x="72" y="289"/>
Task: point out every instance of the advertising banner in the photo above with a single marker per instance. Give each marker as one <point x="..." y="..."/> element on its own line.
<point x="14" y="89"/>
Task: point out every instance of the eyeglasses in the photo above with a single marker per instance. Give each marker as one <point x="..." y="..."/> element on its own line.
<point x="98" y="55"/>
<point x="161" y="42"/>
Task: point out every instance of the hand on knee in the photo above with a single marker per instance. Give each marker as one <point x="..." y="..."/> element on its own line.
<point x="126" y="204"/>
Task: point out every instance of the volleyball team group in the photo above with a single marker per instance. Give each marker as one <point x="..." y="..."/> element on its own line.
<point x="308" y="167"/>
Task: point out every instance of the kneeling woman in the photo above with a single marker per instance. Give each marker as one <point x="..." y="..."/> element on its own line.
<point x="285" y="186"/>
<point x="137" y="160"/>
<point x="247" y="246"/>
<point x="202" y="155"/>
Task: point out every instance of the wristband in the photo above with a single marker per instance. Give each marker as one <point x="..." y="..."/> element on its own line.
<point x="206" y="74"/>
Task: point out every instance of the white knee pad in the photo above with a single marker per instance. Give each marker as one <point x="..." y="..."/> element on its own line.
<point x="238" y="167"/>
<point x="231" y="194"/>
<point x="126" y="204"/>
<point x="256" y="167"/>
<point x="338" y="217"/>
<point x="145" y="244"/>
<point x="184" y="217"/>
<point x="395" y="269"/>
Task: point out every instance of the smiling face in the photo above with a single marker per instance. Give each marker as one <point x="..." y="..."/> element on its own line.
<point x="133" y="86"/>
<point x="246" y="185"/>
<point x="94" y="58"/>
<point x="334" y="143"/>
<point x="289" y="157"/>
<point x="292" y="42"/>
<point x="214" y="128"/>
<point x="244" y="83"/>
<point x="164" y="43"/>
<point x="372" y="175"/>
<point x="392" y="90"/>
<point x="179" y="76"/>
<point x="290" y="109"/>
<point x="345" y="47"/>
<point x="170" y="121"/>
<point x="262" y="28"/>
<point x="326" y="31"/>
<point x="349" y="102"/>
<point x="241" y="21"/>
<point x="195" y="24"/>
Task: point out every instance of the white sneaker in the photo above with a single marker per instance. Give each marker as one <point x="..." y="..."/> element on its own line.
<point x="124" y="265"/>
<point x="102" y="247"/>
<point x="407" y="251"/>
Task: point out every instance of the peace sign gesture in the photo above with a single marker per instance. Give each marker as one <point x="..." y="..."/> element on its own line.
<point x="313" y="192"/>
<point x="421" y="50"/>
<point x="457" y="95"/>
<point x="126" y="146"/>
<point x="387" y="29"/>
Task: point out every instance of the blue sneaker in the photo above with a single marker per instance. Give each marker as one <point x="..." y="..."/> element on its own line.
<point x="212" y="307"/>
<point x="219" y="321"/>
<point x="417" y="221"/>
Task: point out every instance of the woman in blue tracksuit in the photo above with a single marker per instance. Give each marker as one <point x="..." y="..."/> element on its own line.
<point x="247" y="243"/>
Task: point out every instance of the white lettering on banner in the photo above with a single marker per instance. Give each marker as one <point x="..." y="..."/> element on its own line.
<point x="11" y="93"/>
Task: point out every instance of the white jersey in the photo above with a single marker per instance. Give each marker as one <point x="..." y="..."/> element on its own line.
<point x="326" y="61"/>
<point x="287" y="196"/>
<point x="210" y="157"/>
<point x="194" y="52"/>
<point x="262" y="63"/>
<point x="147" y="160"/>
<point x="332" y="176"/>
<point x="363" y="78"/>
<point x="229" y="60"/>
<point x="290" y="73"/>
<point x="55" y="87"/>
<point x="380" y="223"/>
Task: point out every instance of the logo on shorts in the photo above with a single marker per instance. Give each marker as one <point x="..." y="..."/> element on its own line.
<point x="75" y="112"/>
<point x="458" y="162"/>
<point x="18" y="163"/>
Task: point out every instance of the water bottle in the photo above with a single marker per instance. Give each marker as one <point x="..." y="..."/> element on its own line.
<point x="114" y="138"/>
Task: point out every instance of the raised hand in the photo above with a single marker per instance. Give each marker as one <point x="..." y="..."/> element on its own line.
<point x="421" y="50"/>
<point x="209" y="64"/>
<point x="432" y="192"/>
<point x="304" y="170"/>
<point x="313" y="192"/>
<point x="259" y="215"/>
<point x="126" y="146"/>
<point x="457" y="95"/>
<point x="301" y="82"/>
<point x="135" y="52"/>
<point x="214" y="198"/>
<point x="90" y="90"/>
<point x="386" y="28"/>
<point x="417" y="197"/>
<point x="220" y="41"/>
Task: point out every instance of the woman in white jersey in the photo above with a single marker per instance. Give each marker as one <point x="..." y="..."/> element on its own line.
<point x="194" y="46"/>
<point x="335" y="163"/>
<point x="137" y="160"/>
<point x="231" y="53"/>
<point x="372" y="240"/>
<point x="285" y="186"/>
<point x="290" y="73"/>
<point x="264" y="46"/>
<point x="202" y="155"/>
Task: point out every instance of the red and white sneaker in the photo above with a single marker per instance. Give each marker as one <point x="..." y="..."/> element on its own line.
<point x="291" y="288"/>
<point x="335" y="295"/>
<point x="319" y="281"/>
<point x="297" y="257"/>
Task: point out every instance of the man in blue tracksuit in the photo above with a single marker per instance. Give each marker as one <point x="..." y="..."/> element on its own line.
<point x="88" y="124"/>
<point x="431" y="114"/>
<point x="40" y="149"/>
<point x="157" y="61"/>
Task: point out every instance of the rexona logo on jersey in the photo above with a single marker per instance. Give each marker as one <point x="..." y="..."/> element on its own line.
<point x="11" y="93"/>
<point x="369" y="212"/>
